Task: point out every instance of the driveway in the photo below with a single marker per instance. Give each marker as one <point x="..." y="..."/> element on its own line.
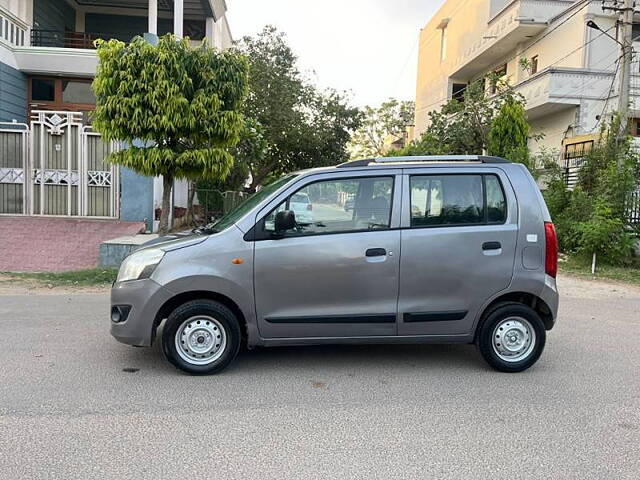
<point x="74" y="404"/>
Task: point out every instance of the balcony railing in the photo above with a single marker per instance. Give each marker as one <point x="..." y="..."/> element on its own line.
<point x="67" y="39"/>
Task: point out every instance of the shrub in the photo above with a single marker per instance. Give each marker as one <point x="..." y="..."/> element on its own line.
<point x="591" y="219"/>
<point x="605" y="234"/>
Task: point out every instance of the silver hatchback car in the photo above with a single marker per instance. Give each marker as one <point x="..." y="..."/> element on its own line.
<point x="448" y="249"/>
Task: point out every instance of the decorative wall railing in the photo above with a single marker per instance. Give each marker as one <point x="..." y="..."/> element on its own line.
<point x="55" y="166"/>
<point x="11" y="32"/>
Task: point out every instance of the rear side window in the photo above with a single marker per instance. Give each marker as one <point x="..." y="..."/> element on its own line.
<point x="449" y="200"/>
<point x="496" y="203"/>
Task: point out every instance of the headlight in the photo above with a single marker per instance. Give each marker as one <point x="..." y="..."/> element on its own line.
<point x="139" y="265"/>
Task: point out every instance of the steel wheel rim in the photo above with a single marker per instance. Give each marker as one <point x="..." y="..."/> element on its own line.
<point x="200" y="340"/>
<point x="513" y="339"/>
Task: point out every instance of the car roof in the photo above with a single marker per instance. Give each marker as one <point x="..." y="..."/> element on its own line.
<point x="413" y="161"/>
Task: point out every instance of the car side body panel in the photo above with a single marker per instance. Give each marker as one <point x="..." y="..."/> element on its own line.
<point x="225" y="264"/>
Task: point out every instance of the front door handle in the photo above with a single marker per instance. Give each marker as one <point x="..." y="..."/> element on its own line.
<point x="376" y="252"/>
<point x="491" y="246"/>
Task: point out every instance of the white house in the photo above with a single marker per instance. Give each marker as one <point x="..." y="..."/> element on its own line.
<point x="50" y="159"/>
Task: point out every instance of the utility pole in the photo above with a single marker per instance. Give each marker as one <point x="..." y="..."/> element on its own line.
<point x="626" y="29"/>
<point x="625" y="10"/>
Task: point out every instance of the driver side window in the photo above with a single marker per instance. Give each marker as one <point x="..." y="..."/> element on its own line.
<point x="338" y="206"/>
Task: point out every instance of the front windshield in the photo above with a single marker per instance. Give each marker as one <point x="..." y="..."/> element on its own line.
<point x="245" y="207"/>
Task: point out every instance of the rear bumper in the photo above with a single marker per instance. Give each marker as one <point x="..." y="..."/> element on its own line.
<point x="550" y="296"/>
<point x="145" y="298"/>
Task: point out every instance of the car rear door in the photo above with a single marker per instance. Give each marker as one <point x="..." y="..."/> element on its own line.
<point x="458" y="246"/>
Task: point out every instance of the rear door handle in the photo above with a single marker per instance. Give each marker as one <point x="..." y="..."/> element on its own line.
<point x="376" y="252"/>
<point x="491" y="246"/>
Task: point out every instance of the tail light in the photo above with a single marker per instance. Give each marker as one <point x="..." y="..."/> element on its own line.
<point x="309" y="207"/>
<point x="551" y="251"/>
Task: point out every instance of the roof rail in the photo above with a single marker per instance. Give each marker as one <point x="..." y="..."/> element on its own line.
<point x="424" y="158"/>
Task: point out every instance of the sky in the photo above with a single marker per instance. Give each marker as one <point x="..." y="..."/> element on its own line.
<point x="366" y="47"/>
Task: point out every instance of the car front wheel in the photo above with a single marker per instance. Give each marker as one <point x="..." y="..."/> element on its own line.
<point x="201" y="337"/>
<point x="512" y="337"/>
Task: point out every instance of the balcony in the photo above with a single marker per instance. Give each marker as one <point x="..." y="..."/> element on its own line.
<point x="556" y="89"/>
<point x="515" y="23"/>
<point x="66" y="39"/>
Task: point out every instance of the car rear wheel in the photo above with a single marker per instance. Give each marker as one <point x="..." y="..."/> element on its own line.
<point x="512" y="337"/>
<point x="201" y="337"/>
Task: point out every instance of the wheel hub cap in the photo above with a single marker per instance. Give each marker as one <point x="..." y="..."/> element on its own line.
<point x="200" y="340"/>
<point x="514" y="339"/>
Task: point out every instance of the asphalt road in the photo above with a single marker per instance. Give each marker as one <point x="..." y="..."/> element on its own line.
<point x="69" y="411"/>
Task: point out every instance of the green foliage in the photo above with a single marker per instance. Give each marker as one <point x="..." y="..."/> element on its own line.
<point x="77" y="278"/>
<point x="300" y="126"/>
<point x="464" y="127"/>
<point x="180" y="105"/>
<point x="605" y="234"/>
<point x="380" y="125"/>
<point x="591" y="218"/>
<point x="509" y="133"/>
<point x="578" y="210"/>
<point x="581" y="266"/>
<point x="182" y="102"/>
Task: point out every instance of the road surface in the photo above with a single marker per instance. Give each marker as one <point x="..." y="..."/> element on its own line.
<point x="75" y="404"/>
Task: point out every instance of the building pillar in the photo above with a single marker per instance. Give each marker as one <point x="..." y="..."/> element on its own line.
<point x="80" y="16"/>
<point x="210" y="24"/>
<point x="153" y="16"/>
<point x="178" y="17"/>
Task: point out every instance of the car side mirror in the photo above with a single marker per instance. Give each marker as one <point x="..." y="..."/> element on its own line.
<point x="285" y="220"/>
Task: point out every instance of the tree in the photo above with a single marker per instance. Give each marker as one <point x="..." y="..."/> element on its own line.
<point x="301" y="126"/>
<point x="509" y="133"/>
<point x="180" y="105"/>
<point x="388" y="121"/>
<point x="463" y="127"/>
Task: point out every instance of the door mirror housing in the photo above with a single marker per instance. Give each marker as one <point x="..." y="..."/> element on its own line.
<point x="285" y="220"/>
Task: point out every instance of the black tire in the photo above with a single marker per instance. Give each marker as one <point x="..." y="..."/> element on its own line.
<point x="487" y="331"/>
<point x="224" y="317"/>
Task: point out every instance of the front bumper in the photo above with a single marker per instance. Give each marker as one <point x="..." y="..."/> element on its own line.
<point x="145" y="298"/>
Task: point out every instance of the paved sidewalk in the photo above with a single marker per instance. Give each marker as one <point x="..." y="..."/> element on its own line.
<point x="33" y="244"/>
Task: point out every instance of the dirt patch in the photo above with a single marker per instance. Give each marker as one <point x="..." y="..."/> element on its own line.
<point x="578" y="287"/>
<point x="11" y="285"/>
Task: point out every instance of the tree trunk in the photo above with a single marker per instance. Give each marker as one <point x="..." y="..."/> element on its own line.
<point x="192" y="194"/>
<point x="167" y="185"/>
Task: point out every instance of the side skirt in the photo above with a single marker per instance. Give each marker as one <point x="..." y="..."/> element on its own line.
<point x="390" y="340"/>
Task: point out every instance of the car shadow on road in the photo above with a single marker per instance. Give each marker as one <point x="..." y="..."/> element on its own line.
<point x="338" y="357"/>
<point x="322" y="357"/>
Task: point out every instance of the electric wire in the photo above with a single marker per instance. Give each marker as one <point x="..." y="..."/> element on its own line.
<point x="579" y="6"/>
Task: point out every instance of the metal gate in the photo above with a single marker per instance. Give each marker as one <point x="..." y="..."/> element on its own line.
<point x="14" y="153"/>
<point x="66" y="174"/>
<point x="573" y="156"/>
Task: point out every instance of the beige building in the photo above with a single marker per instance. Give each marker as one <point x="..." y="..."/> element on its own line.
<point x="567" y="79"/>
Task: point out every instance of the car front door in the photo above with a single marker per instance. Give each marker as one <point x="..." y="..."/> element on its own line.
<point x="458" y="247"/>
<point x="336" y="273"/>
